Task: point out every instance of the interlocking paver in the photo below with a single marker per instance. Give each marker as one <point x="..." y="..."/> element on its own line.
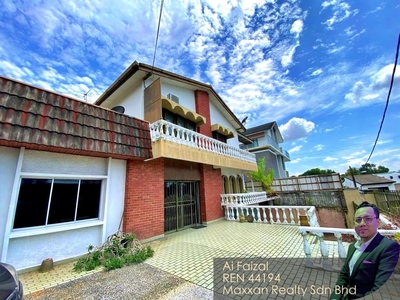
<point x="189" y="254"/>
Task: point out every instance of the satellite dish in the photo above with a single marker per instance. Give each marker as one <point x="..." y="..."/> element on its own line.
<point x="244" y="120"/>
<point x="119" y="109"/>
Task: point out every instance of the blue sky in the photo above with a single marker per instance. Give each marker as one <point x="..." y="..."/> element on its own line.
<point x="320" y="69"/>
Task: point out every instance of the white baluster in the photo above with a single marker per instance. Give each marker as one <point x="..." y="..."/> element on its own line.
<point x="270" y="216"/>
<point x="341" y="250"/>
<point x="307" y="250"/>
<point x="298" y="216"/>
<point x="284" y="216"/>
<point x="265" y="216"/>
<point x="278" y="219"/>
<point x="291" y="216"/>
<point x="324" y="252"/>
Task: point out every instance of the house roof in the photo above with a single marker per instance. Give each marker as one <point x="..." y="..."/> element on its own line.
<point x="265" y="127"/>
<point x="38" y="119"/>
<point x="367" y="179"/>
<point x="142" y="71"/>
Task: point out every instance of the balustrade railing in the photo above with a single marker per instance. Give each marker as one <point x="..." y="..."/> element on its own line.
<point x="245" y="198"/>
<point x="328" y="258"/>
<point x="287" y="215"/>
<point x="166" y="130"/>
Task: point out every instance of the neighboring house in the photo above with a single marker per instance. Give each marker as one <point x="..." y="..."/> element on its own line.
<point x="264" y="141"/>
<point x="63" y="172"/>
<point x="368" y="182"/>
<point x="196" y="154"/>
<point x="395" y="176"/>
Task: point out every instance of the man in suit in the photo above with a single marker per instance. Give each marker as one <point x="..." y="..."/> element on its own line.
<point x="370" y="261"/>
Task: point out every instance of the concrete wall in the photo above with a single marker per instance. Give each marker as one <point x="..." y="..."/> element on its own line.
<point x="8" y="165"/>
<point x="25" y="248"/>
<point x="186" y="96"/>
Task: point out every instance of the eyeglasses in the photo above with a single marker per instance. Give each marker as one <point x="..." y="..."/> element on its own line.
<point x="367" y="219"/>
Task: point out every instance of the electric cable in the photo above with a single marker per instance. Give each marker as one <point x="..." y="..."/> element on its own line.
<point x="387" y="99"/>
<point x="158" y="32"/>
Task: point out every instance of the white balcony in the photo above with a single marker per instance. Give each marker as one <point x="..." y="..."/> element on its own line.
<point x="245" y="198"/>
<point x="163" y="130"/>
<point x="280" y="214"/>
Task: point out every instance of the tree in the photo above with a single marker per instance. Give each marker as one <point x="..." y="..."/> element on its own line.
<point x="367" y="169"/>
<point x="317" y="171"/>
<point x="265" y="178"/>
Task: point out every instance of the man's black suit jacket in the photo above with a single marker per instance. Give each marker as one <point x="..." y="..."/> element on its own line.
<point x="372" y="269"/>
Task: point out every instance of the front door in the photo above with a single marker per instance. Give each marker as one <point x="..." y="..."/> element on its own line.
<point x="181" y="204"/>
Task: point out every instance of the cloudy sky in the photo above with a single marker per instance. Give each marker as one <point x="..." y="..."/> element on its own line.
<point x="320" y="69"/>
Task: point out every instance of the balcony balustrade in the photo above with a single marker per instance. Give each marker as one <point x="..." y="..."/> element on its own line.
<point x="171" y="132"/>
<point x="287" y="215"/>
<point x="245" y="198"/>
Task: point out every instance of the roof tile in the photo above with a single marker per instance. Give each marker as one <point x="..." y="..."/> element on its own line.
<point x="35" y="118"/>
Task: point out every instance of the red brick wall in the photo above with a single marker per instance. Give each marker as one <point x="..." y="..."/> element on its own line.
<point x="210" y="193"/>
<point x="144" y="198"/>
<point x="203" y="108"/>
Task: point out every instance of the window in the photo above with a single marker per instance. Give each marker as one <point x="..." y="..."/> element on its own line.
<point x="178" y="120"/>
<point x="52" y="201"/>
<point x="220" y="137"/>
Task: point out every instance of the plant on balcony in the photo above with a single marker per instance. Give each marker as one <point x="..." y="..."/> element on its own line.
<point x="265" y="178"/>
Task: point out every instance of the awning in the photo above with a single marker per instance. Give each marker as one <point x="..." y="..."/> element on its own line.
<point x="178" y="109"/>
<point x="222" y="130"/>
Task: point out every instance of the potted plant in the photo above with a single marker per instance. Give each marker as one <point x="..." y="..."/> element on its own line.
<point x="265" y="177"/>
<point x="241" y="217"/>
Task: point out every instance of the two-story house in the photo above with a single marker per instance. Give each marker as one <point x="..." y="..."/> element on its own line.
<point x="263" y="141"/>
<point x="156" y="153"/>
<point x="196" y="154"/>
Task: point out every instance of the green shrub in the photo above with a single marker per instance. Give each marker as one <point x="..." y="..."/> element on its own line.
<point x="120" y="249"/>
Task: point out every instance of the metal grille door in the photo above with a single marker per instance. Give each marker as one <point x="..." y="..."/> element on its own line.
<point x="180" y="204"/>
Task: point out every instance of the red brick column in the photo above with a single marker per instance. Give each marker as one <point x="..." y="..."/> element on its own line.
<point x="203" y="108"/>
<point x="210" y="193"/>
<point x="144" y="198"/>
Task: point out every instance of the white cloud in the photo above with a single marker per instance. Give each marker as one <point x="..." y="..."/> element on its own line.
<point x="328" y="158"/>
<point x="297" y="27"/>
<point x="295" y="149"/>
<point x="319" y="147"/>
<point x="341" y="11"/>
<point x="296" y="128"/>
<point x="295" y="161"/>
<point x="383" y="77"/>
<point x="316" y="72"/>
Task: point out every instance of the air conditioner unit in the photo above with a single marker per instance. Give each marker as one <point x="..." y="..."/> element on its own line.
<point x="173" y="97"/>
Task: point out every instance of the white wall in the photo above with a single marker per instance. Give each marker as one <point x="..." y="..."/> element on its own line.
<point x="217" y="117"/>
<point x="8" y="165"/>
<point x="115" y="196"/>
<point x="132" y="101"/>
<point x="26" y="248"/>
<point x="186" y="96"/>
<point x="30" y="251"/>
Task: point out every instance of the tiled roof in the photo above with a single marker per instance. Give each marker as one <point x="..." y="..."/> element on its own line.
<point x="259" y="128"/>
<point x="38" y="119"/>
<point x="370" y="179"/>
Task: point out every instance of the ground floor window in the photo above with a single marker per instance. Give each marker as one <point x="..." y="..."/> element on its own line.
<point x="51" y="201"/>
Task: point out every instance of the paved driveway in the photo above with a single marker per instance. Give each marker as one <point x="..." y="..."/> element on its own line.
<point x="182" y="267"/>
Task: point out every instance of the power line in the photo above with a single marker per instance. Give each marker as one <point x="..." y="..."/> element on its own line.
<point x="329" y="150"/>
<point x="387" y="99"/>
<point x="158" y="32"/>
